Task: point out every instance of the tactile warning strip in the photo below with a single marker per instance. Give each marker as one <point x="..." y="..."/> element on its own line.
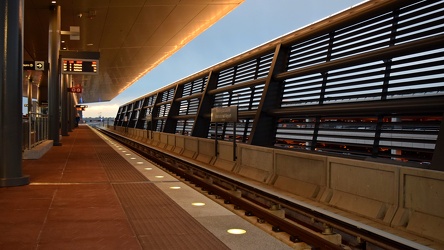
<point x="116" y="167"/>
<point x="159" y="222"/>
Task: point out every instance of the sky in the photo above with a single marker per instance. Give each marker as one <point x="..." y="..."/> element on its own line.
<point x="253" y="23"/>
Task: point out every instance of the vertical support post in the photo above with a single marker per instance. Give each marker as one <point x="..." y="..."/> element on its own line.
<point x="263" y="132"/>
<point x="65" y="113"/>
<point x="11" y="78"/>
<point x="53" y="76"/>
<point x="30" y="114"/>
<point x="71" y="109"/>
<point x="234" y="141"/>
<point x="170" y="123"/>
<point x="438" y="157"/>
<point x="215" y="141"/>
<point x="202" y="123"/>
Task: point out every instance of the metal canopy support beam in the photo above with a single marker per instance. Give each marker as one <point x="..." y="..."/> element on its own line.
<point x="202" y="121"/>
<point x="263" y="132"/>
<point x="53" y="76"/>
<point x="155" y="112"/>
<point x="171" y="123"/>
<point x="11" y="78"/>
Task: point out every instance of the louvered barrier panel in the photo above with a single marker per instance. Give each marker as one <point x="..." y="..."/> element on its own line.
<point x="371" y="87"/>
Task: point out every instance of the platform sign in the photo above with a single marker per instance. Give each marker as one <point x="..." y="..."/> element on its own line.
<point x="39" y="65"/>
<point x="224" y="114"/>
<point x="80" y="66"/>
<point x="75" y="89"/>
<point x="34" y="65"/>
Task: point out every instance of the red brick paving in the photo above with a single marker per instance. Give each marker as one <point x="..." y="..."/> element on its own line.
<point x="72" y="203"/>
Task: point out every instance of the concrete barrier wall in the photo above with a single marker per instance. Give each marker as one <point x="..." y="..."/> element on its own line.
<point x="171" y="142"/>
<point x="163" y="140"/>
<point x="206" y="153"/>
<point x="141" y="134"/>
<point x="255" y="163"/>
<point x="191" y="147"/>
<point x="421" y="202"/>
<point x="224" y="159"/>
<point x="300" y="173"/>
<point x="179" y="141"/>
<point x="366" y="188"/>
<point x="400" y="197"/>
<point x="155" y="140"/>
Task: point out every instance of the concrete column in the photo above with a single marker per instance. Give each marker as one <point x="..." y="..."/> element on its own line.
<point x="65" y="111"/>
<point x="54" y="76"/>
<point x="11" y="78"/>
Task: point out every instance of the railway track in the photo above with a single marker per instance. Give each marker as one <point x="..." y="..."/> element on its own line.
<point x="302" y="223"/>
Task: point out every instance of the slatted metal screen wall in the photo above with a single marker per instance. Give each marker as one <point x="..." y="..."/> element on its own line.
<point x="370" y="87"/>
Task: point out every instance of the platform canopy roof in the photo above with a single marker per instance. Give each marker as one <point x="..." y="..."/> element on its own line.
<point x="132" y="36"/>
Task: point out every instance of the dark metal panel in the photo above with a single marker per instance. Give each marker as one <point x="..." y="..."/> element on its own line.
<point x="201" y="124"/>
<point x="264" y="124"/>
<point x="155" y="112"/>
<point x="171" y="123"/>
<point x="438" y="155"/>
<point x="142" y="114"/>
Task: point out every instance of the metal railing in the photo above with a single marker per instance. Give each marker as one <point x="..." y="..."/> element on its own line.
<point x="35" y="130"/>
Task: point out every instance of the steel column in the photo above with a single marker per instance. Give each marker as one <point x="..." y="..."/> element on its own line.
<point x="201" y="123"/>
<point x="11" y="78"/>
<point x="64" y="98"/>
<point x="438" y="156"/>
<point x="71" y="106"/>
<point x="155" y="112"/>
<point x="171" y="123"/>
<point x="54" y="76"/>
<point x="263" y="132"/>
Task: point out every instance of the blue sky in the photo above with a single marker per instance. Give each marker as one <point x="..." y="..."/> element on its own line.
<point x="251" y="24"/>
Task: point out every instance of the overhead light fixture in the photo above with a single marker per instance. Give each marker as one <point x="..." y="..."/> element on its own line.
<point x="53" y="2"/>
